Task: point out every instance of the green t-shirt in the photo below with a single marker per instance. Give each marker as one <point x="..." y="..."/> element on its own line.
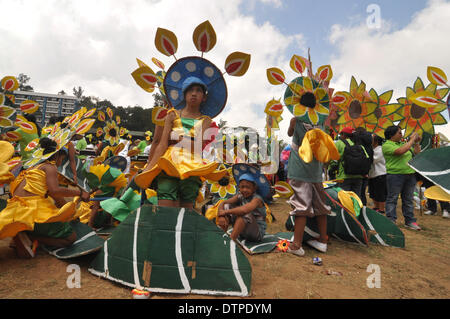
<point x="81" y="144"/>
<point x="340" y="145"/>
<point x="297" y="168"/>
<point x="396" y="164"/>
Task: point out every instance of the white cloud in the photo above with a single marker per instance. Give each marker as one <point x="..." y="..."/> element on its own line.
<point x="94" y="44"/>
<point x="392" y="59"/>
<point x="63" y="44"/>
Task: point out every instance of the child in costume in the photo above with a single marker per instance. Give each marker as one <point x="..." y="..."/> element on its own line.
<point x="34" y="212"/>
<point x="246" y="210"/>
<point x="308" y="199"/>
<point x="177" y="162"/>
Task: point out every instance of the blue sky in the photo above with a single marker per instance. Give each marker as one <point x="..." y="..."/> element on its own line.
<point x="315" y="18"/>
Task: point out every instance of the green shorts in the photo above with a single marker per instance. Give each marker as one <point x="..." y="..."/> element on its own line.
<point x="172" y="188"/>
<point x="53" y="230"/>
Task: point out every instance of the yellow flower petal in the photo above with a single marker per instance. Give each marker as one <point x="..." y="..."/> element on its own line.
<point x="307" y="84"/>
<point x="313" y="116"/>
<point x="299" y="110"/>
<point x="292" y="100"/>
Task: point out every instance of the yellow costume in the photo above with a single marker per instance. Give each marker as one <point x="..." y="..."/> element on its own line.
<point x="180" y="162"/>
<point x="21" y="213"/>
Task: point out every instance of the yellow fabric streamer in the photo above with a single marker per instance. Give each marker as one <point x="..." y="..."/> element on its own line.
<point x="437" y="193"/>
<point x="346" y="199"/>
<point x="319" y="145"/>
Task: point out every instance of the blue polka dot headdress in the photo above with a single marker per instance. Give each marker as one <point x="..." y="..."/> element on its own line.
<point x="250" y="173"/>
<point x="204" y="38"/>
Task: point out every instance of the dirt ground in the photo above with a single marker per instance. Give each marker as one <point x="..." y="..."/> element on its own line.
<point x="421" y="270"/>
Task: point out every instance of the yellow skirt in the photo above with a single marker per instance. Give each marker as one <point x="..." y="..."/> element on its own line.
<point x="180" y="163"/>
<point x="21" y="213"/>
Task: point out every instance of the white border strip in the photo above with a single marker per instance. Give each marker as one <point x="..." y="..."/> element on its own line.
<point x="105" y="257"/>
<point x="436" y="173"/>
<point x="235" y="266"/>
<point x="377" y="236"/>
<point x="348" y="228"/>
<point x="135" y="269"/>
<point x="164" y="290"/>
<point x="181" y="270"/>
<point x="92" y="233"/>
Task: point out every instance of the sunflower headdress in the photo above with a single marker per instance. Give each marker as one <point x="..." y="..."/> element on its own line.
<point x="204" y="38"/>
<point x="306" y="97"/>
<point x="9" y="115"/>
<point x="62" y="132"/>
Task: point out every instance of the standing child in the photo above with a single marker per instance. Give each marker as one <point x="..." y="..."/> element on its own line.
<point x="246" y="211"/>
<point x="377" y="176"/>
<point x="308" y="199"/>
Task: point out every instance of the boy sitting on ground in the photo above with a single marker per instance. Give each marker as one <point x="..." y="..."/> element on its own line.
<point x="246" y="211"/>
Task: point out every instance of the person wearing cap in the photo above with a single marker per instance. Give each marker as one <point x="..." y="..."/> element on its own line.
<point x="177" y="163"/>
<point x="246" y="211"/>
<point x="348" y="182"/>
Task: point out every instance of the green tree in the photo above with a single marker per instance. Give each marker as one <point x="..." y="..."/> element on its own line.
<point x="78" y="92"/>
<point x="23" y="80"/>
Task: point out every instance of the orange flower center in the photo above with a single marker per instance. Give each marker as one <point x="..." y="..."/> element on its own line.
<point x="417" y="111"/>
<point x="355" y="109"/>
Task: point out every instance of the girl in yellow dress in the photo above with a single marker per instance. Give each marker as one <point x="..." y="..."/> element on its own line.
<point x="37" y="211"/>
<point x="177" y="162"/>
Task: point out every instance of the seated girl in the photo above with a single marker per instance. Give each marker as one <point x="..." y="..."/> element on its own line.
<point x="37" y="211"/>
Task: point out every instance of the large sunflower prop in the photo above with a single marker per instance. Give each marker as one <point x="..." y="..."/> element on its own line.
<point x="418" y="112"/>
<point x="422" y="106"/>
<point x="224" y="187"/>
<point x="306" y="97"/>
<point x="111" y="129"/>
<point x="355" y="108"/>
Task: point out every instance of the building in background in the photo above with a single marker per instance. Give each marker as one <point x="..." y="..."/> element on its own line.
<point x="49" y="104"/>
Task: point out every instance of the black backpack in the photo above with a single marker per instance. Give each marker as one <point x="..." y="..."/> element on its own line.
<point x="355" y="160"/>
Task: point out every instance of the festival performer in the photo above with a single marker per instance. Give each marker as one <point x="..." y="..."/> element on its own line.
<point x="196" y="92"/>
<point x="400" y="178"/>
<point x="307" y="98"/>
<point x="246" y="211"/>
<point x="377" y="176"/>
<point x="179" y="167"/>
<point x="35" y="211"/>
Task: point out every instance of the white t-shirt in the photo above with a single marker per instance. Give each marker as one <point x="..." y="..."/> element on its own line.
<point x="379" y="164"/>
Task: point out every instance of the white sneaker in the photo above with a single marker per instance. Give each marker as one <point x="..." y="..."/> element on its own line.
<point x="445" y="214"/>
<point x="317" y="245"/>
<point x="299" y="252"/>
<point x="429" y="212"/>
